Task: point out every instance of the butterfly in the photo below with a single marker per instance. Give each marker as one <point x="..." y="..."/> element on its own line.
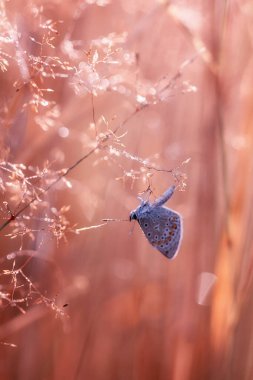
<point x="162" y="226"/>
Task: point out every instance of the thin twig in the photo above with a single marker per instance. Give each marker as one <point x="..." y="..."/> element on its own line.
<point x="68" y="170"/>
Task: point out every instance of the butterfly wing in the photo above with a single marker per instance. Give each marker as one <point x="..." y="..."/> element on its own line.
<point x="163" y="229"/>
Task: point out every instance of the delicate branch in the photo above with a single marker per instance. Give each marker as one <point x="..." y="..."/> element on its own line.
<point x="68" y="170"/>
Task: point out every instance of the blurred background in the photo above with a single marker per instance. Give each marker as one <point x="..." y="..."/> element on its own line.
<point x="97" y="95"/>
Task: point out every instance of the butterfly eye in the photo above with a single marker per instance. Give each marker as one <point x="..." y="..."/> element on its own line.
<point x="132" y="216"/>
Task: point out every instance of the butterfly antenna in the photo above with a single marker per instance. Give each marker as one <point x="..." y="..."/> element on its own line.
<point x="115" y="220"/>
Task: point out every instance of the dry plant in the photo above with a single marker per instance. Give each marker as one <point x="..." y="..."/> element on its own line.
<point x="100" y="101"/>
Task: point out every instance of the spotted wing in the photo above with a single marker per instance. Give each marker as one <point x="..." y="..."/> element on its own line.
<point x="163" y="229"/>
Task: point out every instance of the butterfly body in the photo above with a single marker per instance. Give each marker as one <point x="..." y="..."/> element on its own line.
<point x="161" y="225"/>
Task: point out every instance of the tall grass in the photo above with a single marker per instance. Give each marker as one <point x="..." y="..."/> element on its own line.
<point x="100" y="101"/>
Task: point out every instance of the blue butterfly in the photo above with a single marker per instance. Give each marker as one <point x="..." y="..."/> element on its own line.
<point x="162" y="226"/>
